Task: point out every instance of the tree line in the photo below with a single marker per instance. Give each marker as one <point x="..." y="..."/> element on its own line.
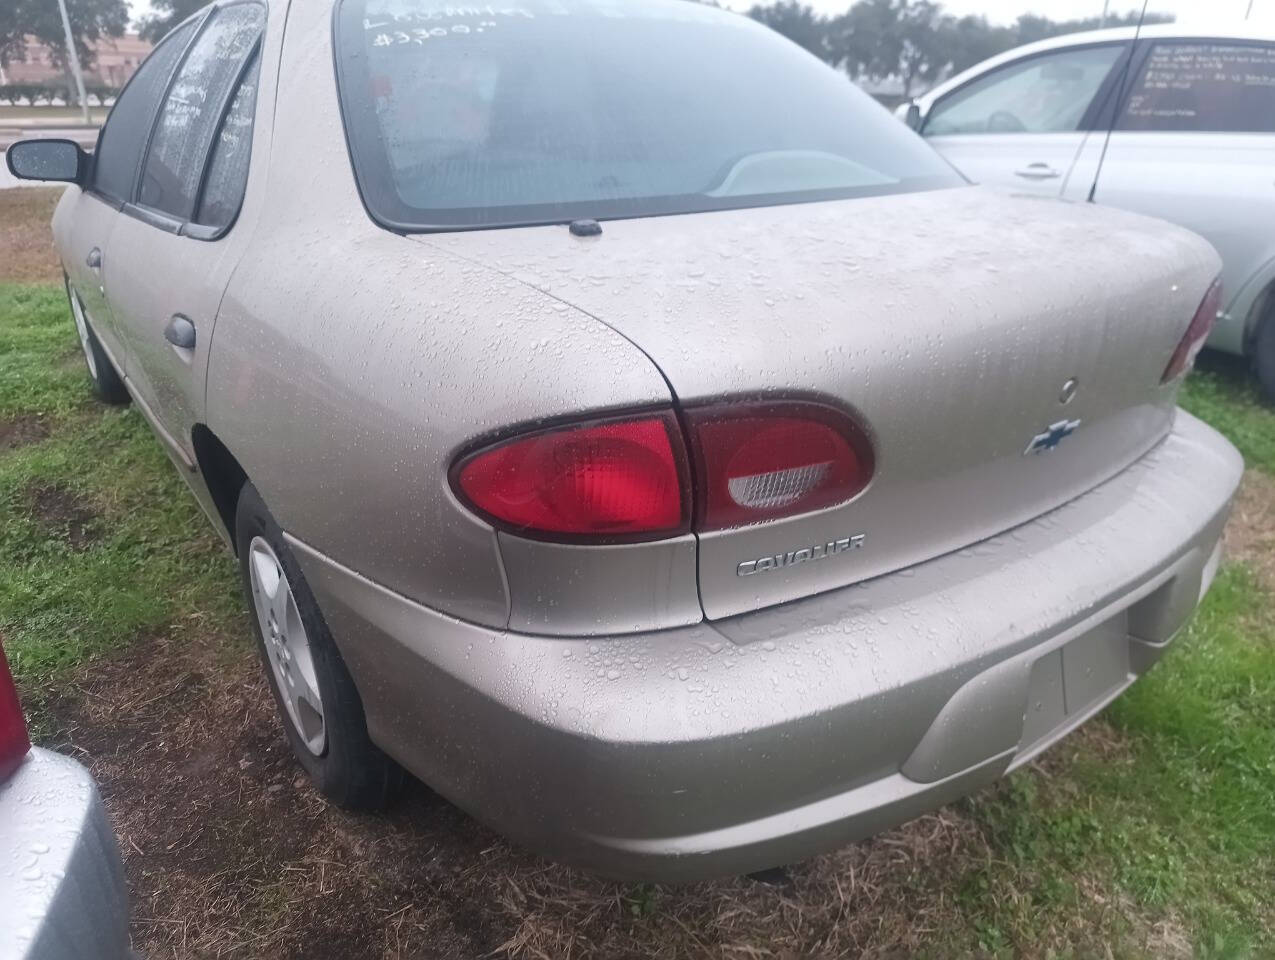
<point x="915" y="41"/>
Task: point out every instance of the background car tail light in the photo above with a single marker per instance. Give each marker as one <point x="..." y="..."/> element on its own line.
<point x="624" y="477"/>
<point x="1200" y="327"/>
<point x="757" y="462"/>
<point x="14" y="742"/>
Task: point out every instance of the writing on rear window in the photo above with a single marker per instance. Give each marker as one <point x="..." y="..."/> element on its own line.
<point x="547" y="111"/>
<point x="1208" y="87"/>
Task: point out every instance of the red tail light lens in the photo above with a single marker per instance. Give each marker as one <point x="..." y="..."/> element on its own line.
<point x="763" y="461"/>
<point x="14" y="742"/>
<point x="624" y="478"/>
<point x="1198" y="331"/>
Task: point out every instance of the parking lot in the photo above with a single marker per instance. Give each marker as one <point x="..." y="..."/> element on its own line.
<point x="1146" y="834"/>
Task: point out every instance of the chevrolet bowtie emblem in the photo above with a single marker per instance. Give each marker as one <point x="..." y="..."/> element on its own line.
<point x="1054" y="435"/>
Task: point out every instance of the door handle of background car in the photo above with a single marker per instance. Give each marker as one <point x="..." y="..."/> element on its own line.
<point x="1037" y="171"/>
<point x="94" y="259"/>
<point x="180" y="332"/>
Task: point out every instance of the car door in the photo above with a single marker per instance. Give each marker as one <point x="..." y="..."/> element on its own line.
<point x="1022" y="124"/>
<point x="174" y="248"/>
<point x="84" y="226"/>
<point x="1194" y="143"/>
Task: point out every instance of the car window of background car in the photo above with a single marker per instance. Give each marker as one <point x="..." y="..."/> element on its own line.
<point x="1044" y="94"/>
<point x="1212" y="87"/>
<point x="461" y="116"/>
<point x="120" y="144"/>
<point x="193" y="109"/>
<point x="228" y="168"/>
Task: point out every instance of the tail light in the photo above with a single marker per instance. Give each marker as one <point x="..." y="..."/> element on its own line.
<point x="612" y="478"/>
<point x="629" y="478"/>
<point x="1196" y="333"/>
<point x="14" y="742"/>
<point x="764" y="461"/>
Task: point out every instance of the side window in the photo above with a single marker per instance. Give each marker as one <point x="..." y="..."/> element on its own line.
<point x="228" y="169"/>
<point x="1044" y="94"/>
<point x="193" y="109"/>
<point x="1204" y="86"/>
<point x="120" y="145"/>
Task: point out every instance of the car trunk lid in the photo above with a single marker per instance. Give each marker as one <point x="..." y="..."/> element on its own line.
<point x="1004" y="354"/>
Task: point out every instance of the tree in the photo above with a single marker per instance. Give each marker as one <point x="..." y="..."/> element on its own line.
<point x="91" y="20"/>
<point x="169" y="14"/>
<point x="972" y="40"/>
<point x="877" y="39"/>
<point x="1029" y="28"/>
<point x="865" y="39"/>
<point x="913" y="41"/>
<point x="796" y="21"/>
<point x="924" y="54"/>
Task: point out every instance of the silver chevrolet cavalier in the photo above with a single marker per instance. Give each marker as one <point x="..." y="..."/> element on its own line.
<point x="628" y="428"/>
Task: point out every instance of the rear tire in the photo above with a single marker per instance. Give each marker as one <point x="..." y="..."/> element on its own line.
<point x="329" y="737"/>
<point x="1264" y="352"/>
<point x="108" y="385"/>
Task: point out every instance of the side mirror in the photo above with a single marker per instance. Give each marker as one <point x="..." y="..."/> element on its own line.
<point x="61" y="160"/>
<point x="909" y="112"/>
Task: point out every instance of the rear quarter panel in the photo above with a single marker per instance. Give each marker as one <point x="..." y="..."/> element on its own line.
<point x="350" y="365"/>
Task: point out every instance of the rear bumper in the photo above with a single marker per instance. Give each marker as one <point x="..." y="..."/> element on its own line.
<point x="62" y="892"/>
<point x="765" y="738"/>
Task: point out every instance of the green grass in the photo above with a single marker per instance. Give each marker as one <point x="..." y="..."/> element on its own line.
<point x="1222" y="393"/>
<point x="1179" y="822"/>
<point x="125" y="549"/>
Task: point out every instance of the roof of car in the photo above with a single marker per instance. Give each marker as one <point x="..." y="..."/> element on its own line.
<point x="1263" y="29"/>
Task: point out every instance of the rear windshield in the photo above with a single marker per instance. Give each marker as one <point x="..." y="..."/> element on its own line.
<point x="542" y="111"/>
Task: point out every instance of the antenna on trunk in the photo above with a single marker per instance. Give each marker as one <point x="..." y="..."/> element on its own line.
<point x="1120" y="91"/>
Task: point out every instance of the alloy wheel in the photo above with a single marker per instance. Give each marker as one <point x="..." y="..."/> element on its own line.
<point x="287" y="644"/>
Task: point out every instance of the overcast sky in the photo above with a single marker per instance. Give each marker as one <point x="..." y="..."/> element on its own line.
<point x="1006" y="11"/>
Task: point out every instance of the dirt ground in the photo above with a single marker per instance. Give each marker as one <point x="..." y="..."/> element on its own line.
<point x="1250" y="536"/>
<point x="28" y="252"/>
<point x="19" y="431"/>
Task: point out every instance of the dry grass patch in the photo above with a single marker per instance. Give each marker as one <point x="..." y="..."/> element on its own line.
<point x="26" y="242"/>
<point x="1250" y="534"/>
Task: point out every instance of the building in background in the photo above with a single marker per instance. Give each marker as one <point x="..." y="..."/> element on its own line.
<point x="115" y="59"/>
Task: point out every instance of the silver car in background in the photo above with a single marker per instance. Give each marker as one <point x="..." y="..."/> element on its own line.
<point x="62" y="893"/>
<point x="628" y="428"/>
<point x="1193" y="142"/>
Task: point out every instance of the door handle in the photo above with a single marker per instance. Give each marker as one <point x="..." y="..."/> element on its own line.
<point x="180" y="332"/>
<point x="94" y="259"/>
<point x="1037" y="171"/>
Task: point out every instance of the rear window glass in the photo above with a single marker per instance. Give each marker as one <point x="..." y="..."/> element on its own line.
<point x="1212" y="87"/>
<point x="549" y="110"/>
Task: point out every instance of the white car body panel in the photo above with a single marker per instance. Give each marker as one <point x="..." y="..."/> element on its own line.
<point x="1221" y="185"/>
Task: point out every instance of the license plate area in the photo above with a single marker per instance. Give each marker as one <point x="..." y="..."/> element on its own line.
<point x="1073" y="682"/>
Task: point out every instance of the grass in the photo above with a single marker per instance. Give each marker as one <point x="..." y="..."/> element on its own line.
<point x="100" y="539"/>
<point x="1150" y="833"/>
<point x="1175" y="815"/>
<point x="1222" y="393"/>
